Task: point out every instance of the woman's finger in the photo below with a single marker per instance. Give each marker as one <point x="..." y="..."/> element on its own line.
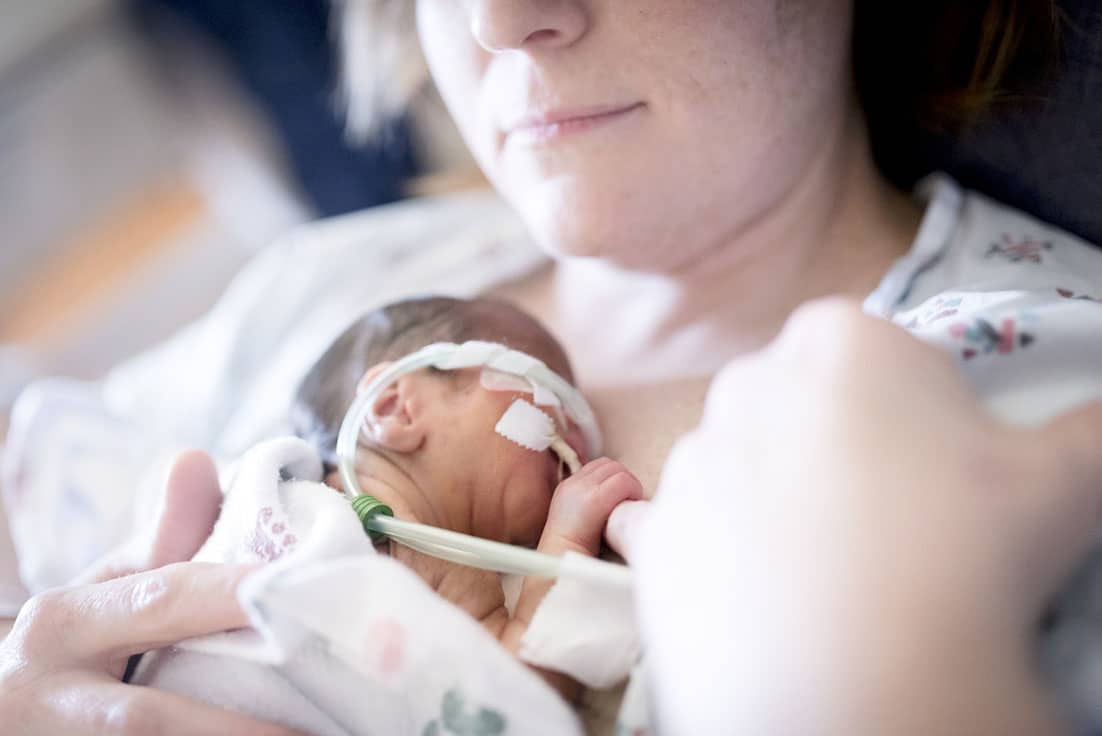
<point x="192" y="501"/>
<point x="115" y="619"/>
<point x="623" y="526"/>
<point x="142" y="710"/>
<point x="189" y="507"/>
<point x="89" y="706"/>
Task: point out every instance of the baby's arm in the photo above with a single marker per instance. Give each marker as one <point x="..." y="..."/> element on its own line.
<point x="575" y="523"/>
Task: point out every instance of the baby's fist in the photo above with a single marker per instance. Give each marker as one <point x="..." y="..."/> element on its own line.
<point x="581" y="506"/>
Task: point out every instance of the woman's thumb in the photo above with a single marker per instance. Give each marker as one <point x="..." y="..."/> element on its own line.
<point x="192" y="501"/>
<point x="623" y="526"/>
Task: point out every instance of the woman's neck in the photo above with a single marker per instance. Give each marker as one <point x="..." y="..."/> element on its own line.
<point x="835" y="231"/>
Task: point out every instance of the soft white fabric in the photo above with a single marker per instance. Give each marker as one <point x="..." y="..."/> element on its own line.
<point x="12" y="592"/>
<point x="350" y="642"/>
<point x="584" y="629"/>
<point x="80" y="500"/>
<point x="980" y="281"/>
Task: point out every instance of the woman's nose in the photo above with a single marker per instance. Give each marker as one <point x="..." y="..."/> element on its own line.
<point x="505" y="25"/>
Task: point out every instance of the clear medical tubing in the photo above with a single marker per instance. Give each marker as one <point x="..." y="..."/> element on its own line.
<point x="454" y="546"/>
<point x="494" y="556"/>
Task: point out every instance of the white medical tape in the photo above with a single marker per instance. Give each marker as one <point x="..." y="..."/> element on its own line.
<point x="543" y="396"/>
<point x="527" y="426"/>
<point x="495" y="380"/>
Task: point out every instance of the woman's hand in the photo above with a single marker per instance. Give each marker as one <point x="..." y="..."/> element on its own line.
<point x="62" y="662"/>
<point x="850" y="544"/>
<point x="60" y="667"/>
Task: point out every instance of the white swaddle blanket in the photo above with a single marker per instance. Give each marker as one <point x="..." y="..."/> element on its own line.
<point x="347" y="641"/>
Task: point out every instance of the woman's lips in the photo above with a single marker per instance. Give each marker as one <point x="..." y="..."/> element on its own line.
<point x="556" y="124"/>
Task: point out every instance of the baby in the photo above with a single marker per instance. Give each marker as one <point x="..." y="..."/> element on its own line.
<point x="431" y="453"/>
<point x="430" y="450"/>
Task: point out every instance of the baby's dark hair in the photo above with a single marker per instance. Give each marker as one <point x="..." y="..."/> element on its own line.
<point x="396" y="330"/>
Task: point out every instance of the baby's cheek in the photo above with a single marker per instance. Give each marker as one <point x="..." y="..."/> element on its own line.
<point x="532" y="512"/>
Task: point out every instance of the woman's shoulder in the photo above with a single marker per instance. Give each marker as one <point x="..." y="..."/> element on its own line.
<point x="983" y="246"/>
<point x="1016" y="301"/>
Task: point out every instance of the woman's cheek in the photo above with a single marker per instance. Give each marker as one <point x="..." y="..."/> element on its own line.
<point x="456" y="63"/>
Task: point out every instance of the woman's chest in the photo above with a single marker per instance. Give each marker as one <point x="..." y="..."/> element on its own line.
<point x="642" y="423"/>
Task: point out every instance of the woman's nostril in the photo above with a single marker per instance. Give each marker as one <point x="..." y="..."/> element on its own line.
<point x="543" y="35"/>
<point x="507" y="25"/>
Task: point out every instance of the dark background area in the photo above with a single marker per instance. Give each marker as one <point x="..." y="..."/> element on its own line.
<point x="282" y="52"/>
<point x="1043" y="155"/>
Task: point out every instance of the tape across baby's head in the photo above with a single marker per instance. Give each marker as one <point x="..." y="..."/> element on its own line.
<point x="503" y="369"/>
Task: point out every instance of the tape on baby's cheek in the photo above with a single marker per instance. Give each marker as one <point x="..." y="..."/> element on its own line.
<point x="534" y="428"/>
<point x="495" y="380"/>
<point x="527" y="426"/>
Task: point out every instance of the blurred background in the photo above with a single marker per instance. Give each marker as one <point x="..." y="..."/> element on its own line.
<point x="148" y="148"/>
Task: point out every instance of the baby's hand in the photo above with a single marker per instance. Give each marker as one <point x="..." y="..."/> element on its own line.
<point x="581" y="506"/>
<point x="575" y="523"/>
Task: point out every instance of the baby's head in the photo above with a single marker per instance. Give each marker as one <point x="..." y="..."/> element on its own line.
<point x="437" y="427"/>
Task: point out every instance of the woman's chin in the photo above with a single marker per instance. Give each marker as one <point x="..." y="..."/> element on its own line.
<point x="619" y="241"/>
<point x="577" y="243"/>
<point x="566" y="227"/>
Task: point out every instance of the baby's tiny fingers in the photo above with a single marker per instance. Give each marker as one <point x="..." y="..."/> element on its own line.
<point x="600" y="470"/>
<point x="592" y="468"/>
<point x="619" y="485"/>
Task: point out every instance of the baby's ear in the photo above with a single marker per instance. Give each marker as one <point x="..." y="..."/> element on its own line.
<point x="391" y="423"/>
<point x="371" y="374"/>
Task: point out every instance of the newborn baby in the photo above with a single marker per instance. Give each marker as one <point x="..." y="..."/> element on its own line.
<point x="431" y="453"/>
<point x="371" y="650"/>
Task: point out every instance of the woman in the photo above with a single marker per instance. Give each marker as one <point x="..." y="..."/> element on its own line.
<point x="700" y="169"/>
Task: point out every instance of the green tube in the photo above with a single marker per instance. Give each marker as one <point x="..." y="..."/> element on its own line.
<point x="366" y="508"/>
